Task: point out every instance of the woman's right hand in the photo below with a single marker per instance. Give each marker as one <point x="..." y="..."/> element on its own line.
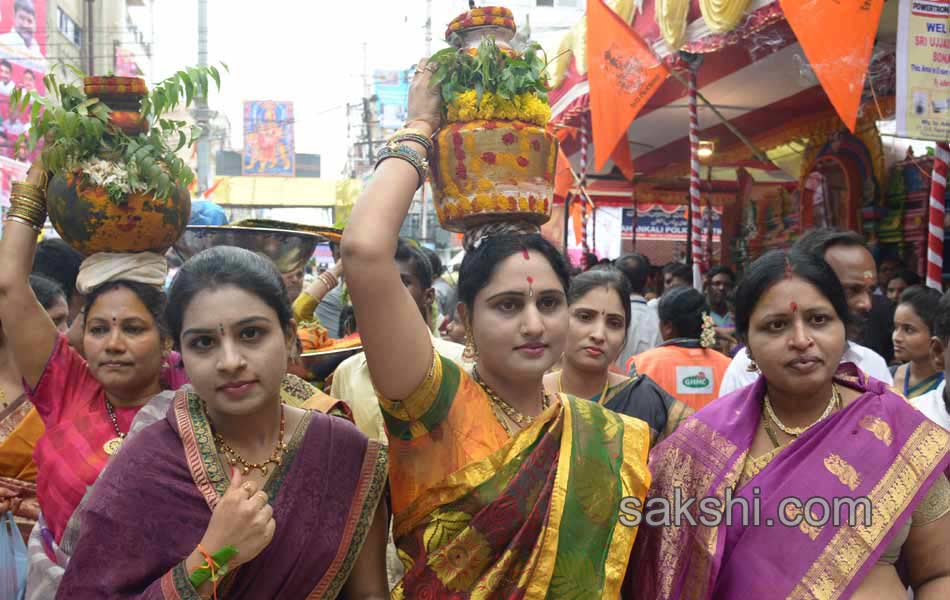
<point x="242" y="519"/>
<point x="425" y="102"/>
<point x="337" y="269"/>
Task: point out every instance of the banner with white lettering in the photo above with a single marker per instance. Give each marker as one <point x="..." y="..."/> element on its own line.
<point x="923" y="69"/>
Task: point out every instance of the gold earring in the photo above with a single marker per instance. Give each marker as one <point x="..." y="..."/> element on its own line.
<point x="470" y="353"/>
<point x="752" y="368"/>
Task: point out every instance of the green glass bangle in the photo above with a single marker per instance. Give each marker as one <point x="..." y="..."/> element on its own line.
<point x="407" y="154"/>
<point x="202" y="574"/>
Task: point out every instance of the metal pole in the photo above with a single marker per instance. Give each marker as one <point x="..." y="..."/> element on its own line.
<point x="90" y="28"/>
<point x="424" y="209"/>
<point x="368" y="121"/>
<point x="201" y="111"/>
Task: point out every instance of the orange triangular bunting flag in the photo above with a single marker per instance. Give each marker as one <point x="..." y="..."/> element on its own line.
<point x="563" y="178"/>
<point x="837" y="38"/>
<point x="623" y="73"/>
<point x="622" y="158"/>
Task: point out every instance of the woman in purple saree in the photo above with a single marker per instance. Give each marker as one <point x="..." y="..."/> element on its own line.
<point x="805" y="435"/>
<point x="297" y="493"/>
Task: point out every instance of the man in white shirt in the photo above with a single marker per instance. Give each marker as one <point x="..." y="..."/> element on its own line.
<point x="675" y="274"/>
<point x="853" y="264"/>
<point x="20" y="44"/>
<point x="936" y="404"/>
<point x="644" y="331"/>
<point x="6" y="77"/>
<point x="351" y="380"/>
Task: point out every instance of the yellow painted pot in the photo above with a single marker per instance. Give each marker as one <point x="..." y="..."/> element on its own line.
<point x="89" y="221"/>
<point x="494" y="170"/>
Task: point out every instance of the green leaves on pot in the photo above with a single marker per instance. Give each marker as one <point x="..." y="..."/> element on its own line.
<point x="490" y="70"/>
<point x="78" y="133"/>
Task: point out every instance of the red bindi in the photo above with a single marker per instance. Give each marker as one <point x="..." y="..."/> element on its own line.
<point x="530" y="286"/>
<point x="794" y="307"/>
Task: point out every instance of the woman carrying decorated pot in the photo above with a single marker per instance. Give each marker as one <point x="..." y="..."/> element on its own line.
<point x="86" y="404"/>
<point x="599" y="319"/>
<point x="498" y="488"/>
<point x="234" y="493"/>
<point x="830" y="476"/>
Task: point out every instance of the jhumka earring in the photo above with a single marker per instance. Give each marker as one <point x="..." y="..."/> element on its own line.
<point x="752" y="368"/>
<point x="470" y="353"/>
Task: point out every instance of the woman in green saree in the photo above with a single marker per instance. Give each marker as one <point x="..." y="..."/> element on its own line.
<point x="599" y="309"/>
<point x="498" y="489"/>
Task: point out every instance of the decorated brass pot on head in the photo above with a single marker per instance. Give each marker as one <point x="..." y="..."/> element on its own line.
<point x="124" y="96"/>
<point x="289" y="250"/>
<point x="90" y="221"/>
<point x="490" y="170"/>
<point x="115" y="186"/>
<point x="493" y="159"/>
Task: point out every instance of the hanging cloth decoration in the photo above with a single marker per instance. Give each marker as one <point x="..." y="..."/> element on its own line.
<point x="671" y="17"/>
<point x="723" y="15"/>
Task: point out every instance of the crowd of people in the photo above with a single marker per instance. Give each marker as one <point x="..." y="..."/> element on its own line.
<point x="511" y="430"/>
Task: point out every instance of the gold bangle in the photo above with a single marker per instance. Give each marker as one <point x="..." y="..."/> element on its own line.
<point x="32" y="219"/>
<point x="26" y="201"/>
<point x="328" y="280"/>
<point x="23" y="221"/>
<point x="28" y="190"/>
<point x="35" y="214"/>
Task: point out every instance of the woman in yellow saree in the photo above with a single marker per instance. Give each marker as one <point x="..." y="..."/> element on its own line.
<point x="498" y="489"/>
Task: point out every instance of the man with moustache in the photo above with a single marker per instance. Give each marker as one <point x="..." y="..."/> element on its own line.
<point x="851" y="261"/>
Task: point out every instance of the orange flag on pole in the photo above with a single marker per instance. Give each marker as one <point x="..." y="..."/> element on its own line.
<point x="623" y="74"/>
<point x="837" y="37"/>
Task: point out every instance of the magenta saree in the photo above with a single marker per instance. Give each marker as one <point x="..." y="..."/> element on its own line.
<point x="152" y="505"/>
<point x="878" y="447"/>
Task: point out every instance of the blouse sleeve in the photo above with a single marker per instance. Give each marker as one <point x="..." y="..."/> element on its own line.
<point x="304" y="307"/>
<point x="935" y="504"/>
<point x="65" y="378"/>
<point x="425" y="408"/>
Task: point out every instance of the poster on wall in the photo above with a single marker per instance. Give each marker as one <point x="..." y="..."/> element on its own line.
<point x="664" y="222"/>
<point x="125" y="64"/>
<point x="392" y="92"/>
<point x="23" y="65"/>
<point x="923" y="69"/>
<point x="10" y="171"/>
<point x="268" y="139"/>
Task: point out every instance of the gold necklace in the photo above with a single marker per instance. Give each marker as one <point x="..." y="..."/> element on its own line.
<point x="113" y="445"/>
<point x="276" y="458"/>
<point x="768" y="430"/>
<point x="603" y="393"/>
<point x="797" y="431"/>
<point x="518" y="418"/>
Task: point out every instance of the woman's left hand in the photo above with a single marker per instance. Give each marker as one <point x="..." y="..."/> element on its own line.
<point x="37" y="174"/>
